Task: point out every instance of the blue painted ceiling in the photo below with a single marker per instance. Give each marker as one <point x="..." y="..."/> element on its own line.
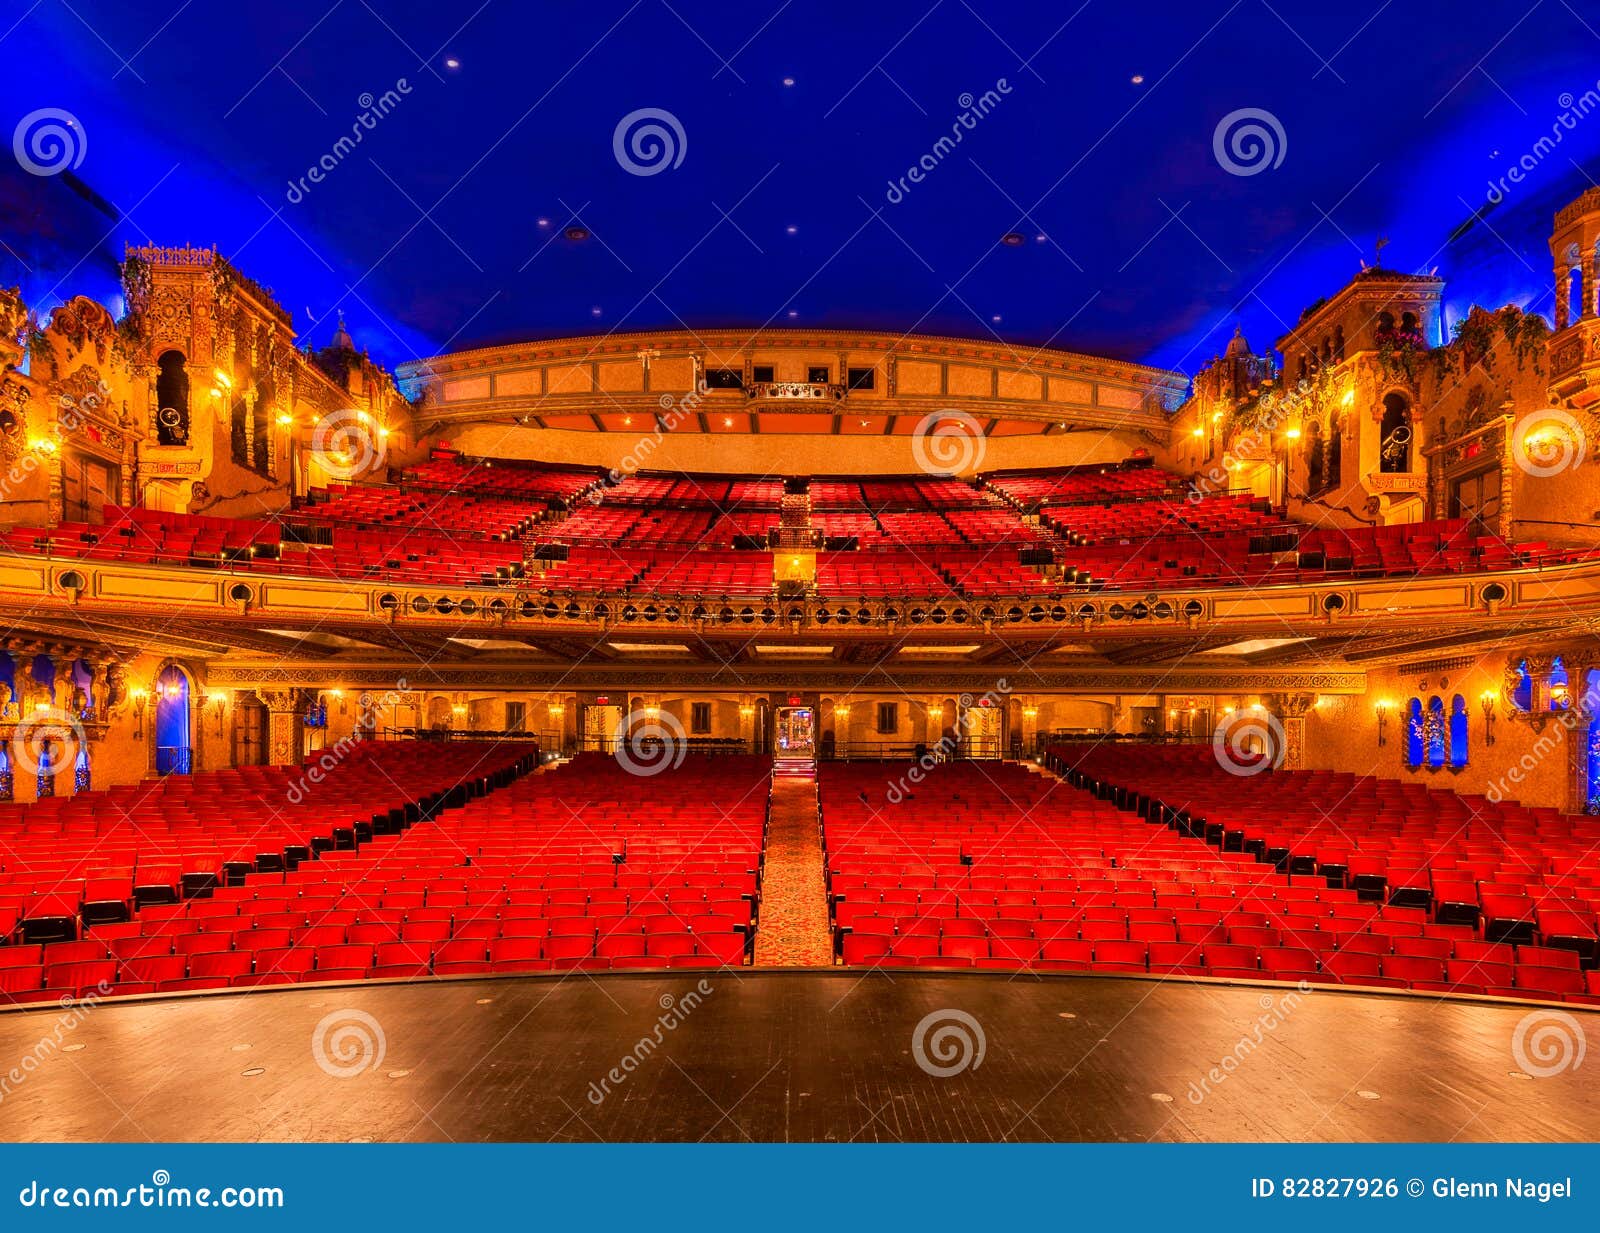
<point x="1088" y="132"/>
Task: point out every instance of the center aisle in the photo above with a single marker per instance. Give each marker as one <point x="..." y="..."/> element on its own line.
<point x="794" y="928"/>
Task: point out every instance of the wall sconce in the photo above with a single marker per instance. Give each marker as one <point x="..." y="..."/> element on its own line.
<point x="555" y="710"/>
<point x="1487" y="700"/>
<point x="841" y="710"/>
<point x="652" y="711"/>
<point x="43" y="445"/>
<point x="936" y="712"/>
<point x="1293" y="432"/>
<point x="1383" y="721"/>
<point x="746" y="712"/>
<point x="338" y="696"/>
<point x="286" y="421"/>
<point x="1030" y="712"/>
<point x="138" y="697"/>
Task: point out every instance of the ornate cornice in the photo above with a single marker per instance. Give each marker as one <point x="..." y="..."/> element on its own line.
<point x="832" y="677"/>
<point x="905" y="346"/>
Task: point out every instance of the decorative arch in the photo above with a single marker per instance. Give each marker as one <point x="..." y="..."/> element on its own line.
<point x="1435" y="737"/>
<point x="1414" y="741"/>
<point x="174" y="720"/>
<point x="1459" y="735"/>
<point x="172" y="399"/>
<point x="1394" y="433"/>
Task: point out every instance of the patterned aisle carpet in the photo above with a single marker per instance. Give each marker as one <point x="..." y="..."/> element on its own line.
<point x="793" y="931"/>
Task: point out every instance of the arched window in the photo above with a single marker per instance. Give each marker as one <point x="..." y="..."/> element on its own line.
<point x="1335" y="452"/>
<point x="45" y="781"/>
<point x="1414" y="732"/>
<point x="1560" y="692"/>
<point x="1522" y="694"/>
<point x="1460" y="745"/>
<point x="1385" y="323"/>
<point x="80" y="770"/>
<point x="1314" y="471"/>
<point x="1433" y="732"/>
<point x="1394" y="436"/>
<point x="172" y="400"/>
<point x="173" y="755"/>
<point x="8" y="787"/>
<point x="1338" y="343"/>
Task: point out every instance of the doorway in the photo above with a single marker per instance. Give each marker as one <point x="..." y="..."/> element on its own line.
<point x="174" y="755"/>
<point x="602" y="728"/>
<point x="249" y="733"/>
<point x="796" y="732"/>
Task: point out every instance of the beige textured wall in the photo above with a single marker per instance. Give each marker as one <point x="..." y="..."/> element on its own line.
<point x="1342" y="734"/>
<point x="740" y="453"/>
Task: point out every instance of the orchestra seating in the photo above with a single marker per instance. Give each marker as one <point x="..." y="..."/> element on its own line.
<point x="995" y="867"/>
<point x="587" y="866"/>
<point x="87" y="877"/>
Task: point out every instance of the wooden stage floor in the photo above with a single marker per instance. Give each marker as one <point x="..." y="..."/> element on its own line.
<point x="798" y="1055"/>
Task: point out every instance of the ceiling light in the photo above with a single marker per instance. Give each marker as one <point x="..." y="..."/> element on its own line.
<point x="727" y="421"/>
<point x="1012" y="239"/>
<point x="1137" y="79"/>
<point x="575" y="232"/>
<point x="791" y="229"/>
<point x="788" y="81"/>
<point x="595" y="311"/>
<point x="452" y="62"/>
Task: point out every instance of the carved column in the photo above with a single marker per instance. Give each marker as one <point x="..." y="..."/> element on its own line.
<point x="1586" y="286"/>
<point x="283" y="725"/>
<point x="1563" y="297"/>
<point x="250" y="397"/>
<point x="1293" y="710"/>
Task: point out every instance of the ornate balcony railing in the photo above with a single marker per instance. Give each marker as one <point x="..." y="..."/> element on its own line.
<point x="795" y="391"/>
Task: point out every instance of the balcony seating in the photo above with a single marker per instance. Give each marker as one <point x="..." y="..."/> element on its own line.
<point x="454" y="521"/>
